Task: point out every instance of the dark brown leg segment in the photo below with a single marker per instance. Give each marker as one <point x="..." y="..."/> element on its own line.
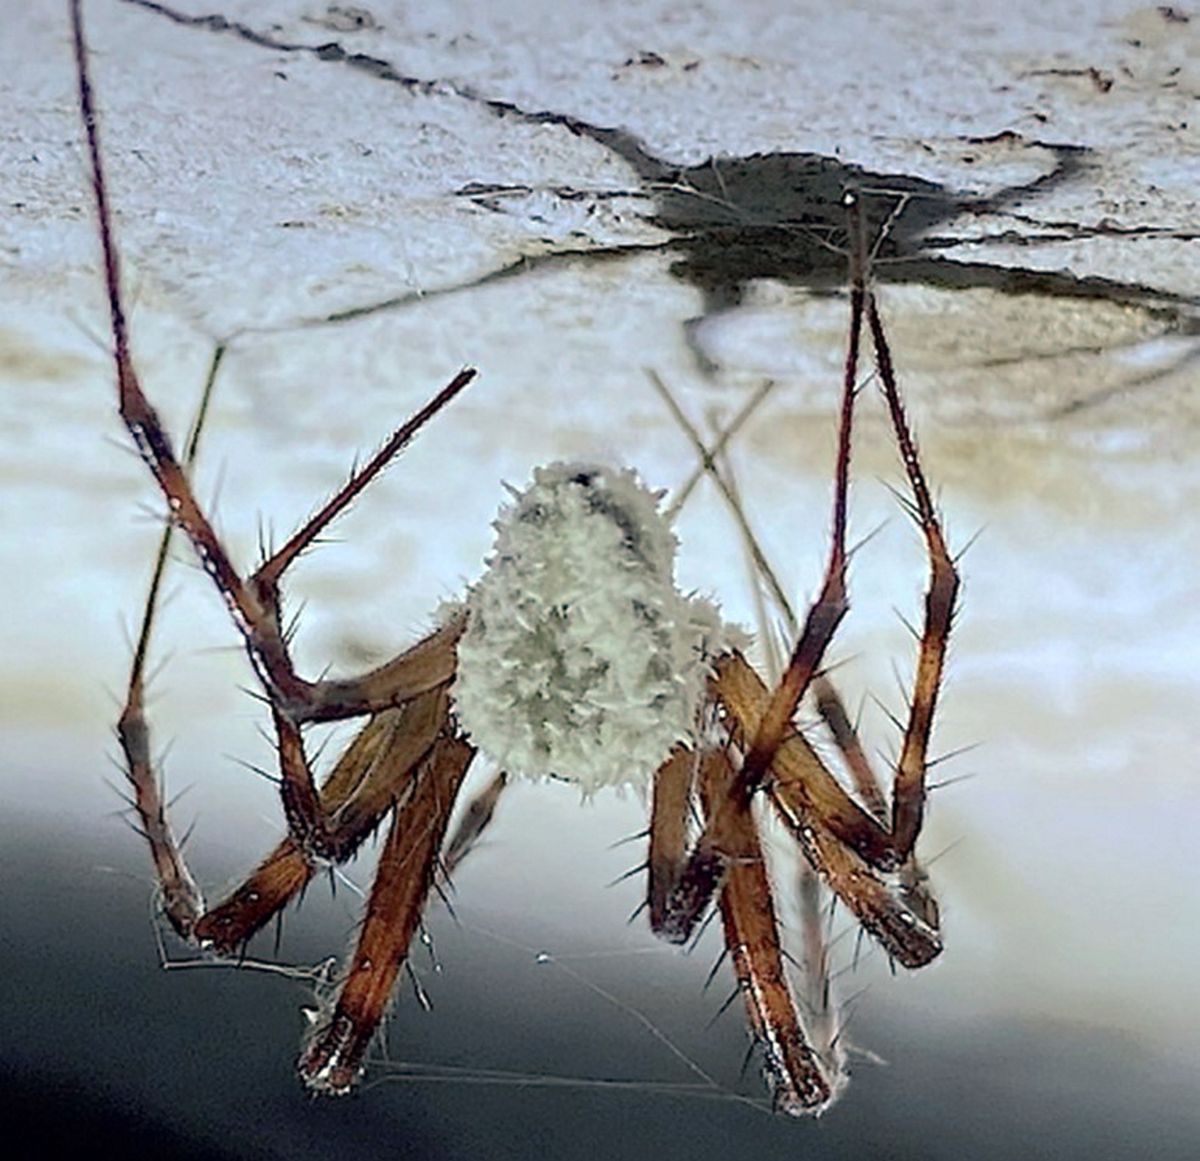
<point x="796" y="771"/>
<point x="668" y="846"/>
<point x="908" y="795"/>
<point x="332" y="1057"/>
<point x="793" y="1072"/>
<point x="840" y="839"/>
<point x="832" y="604"/>
<point x="374" y="774"/>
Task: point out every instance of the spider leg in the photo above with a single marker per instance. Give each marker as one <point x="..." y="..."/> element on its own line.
<point x="253" y="602"/>
<point x="430" y="662"/>
<point x="901" y="925"/>
<point x="829" y="702"/>
<point x="908" y="793"/>
<point x="376" y="772"/>
<point x="362" y="786"/>
<point x="677" y="893"/>
<point x="331" y="1058"/>
<point x="797" y="773"/>
<point x="792" y="1069"/>
<point x="837" y="721"/>
<point x="475" y="820"/>
<point x="840" y="839"/>
<point x="802" y="786"/>
<point x="180" y="896"/>
<point x="832" y="603"/>
<point x="913" y="881"/>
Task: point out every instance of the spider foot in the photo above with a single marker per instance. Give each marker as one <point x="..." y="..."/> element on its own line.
<point x="331" y="1060"/>
<point x="796" y="1091"/>
<point x="675" y="912"/>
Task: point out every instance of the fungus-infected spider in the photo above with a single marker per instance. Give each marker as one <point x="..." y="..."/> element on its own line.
<point x="573" y="655"/>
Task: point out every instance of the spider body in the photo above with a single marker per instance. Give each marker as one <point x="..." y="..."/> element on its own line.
<point x="580" y="658"/>
<point x="575" y="655"/>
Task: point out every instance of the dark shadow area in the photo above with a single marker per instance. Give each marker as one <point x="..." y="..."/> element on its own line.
<point x="99" y="1047"/>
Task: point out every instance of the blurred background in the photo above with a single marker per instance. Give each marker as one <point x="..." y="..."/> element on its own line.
<point x="358" y="200"/>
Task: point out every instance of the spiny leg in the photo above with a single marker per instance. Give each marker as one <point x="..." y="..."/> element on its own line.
<point x="792" y="1069"/>
<point x="254" y="603"/>
<point x="796" y="770"/>
<point x="369" y="777"/>
<point x="829" y="704"/>
<point x="181" y="898"/>
<point x="913" y="881"/>
<point x="902" y="929"/>
<point x="374" y="773"/>
<point x="798" y="778"/>
<point x="831" y="605"/>
<point x="908" y="794"/>
<point x="331" y="1059"/>
<point x="939" y="614"/>
<point x="680" y="893"/>
<point x="841" y="840"/>
<point x="765" y="734"/>
<point x="807" y="796"/>
<point x="421" y="667"/>
<point x="837" y="721"/>
<point x="815" y="974"/>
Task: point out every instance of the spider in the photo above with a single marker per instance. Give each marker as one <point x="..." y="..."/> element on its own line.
<point x="576" y="656"/>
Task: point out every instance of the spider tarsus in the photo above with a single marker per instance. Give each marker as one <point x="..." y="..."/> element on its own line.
<point x="331" y="1060"/>
<point x="686" y="903"/>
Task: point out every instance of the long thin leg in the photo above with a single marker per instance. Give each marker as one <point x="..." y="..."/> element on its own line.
<point x="831" y="605"/>
<point x="254" y="606"/>
<point x="888" y="915"/>
<point x="829" y="702"/>
<point x="908" y="794"/>
<point x="421" y="667"/>
<point x="909" y="783"/>
<point x="913" y="882"/>
<point x="837" y="721"/>
<point x="792" y="1069"/>
<point x="254" y="603"/>
<point x="799" y="781"/>
<point x="796" y="768"/>
<point x="331" y="1059"/>
<point x="180" y="895"/>
<point x="816" y="1003"/>
<point x="367" y="780"/>
<point x="807" y="795"/>
<point x="370" y="776"/>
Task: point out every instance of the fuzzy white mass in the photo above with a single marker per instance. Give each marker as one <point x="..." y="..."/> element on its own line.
<point x="581" y="658"/>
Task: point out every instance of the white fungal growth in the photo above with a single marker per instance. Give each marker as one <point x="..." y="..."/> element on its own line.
<point x="581" y="658"/>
